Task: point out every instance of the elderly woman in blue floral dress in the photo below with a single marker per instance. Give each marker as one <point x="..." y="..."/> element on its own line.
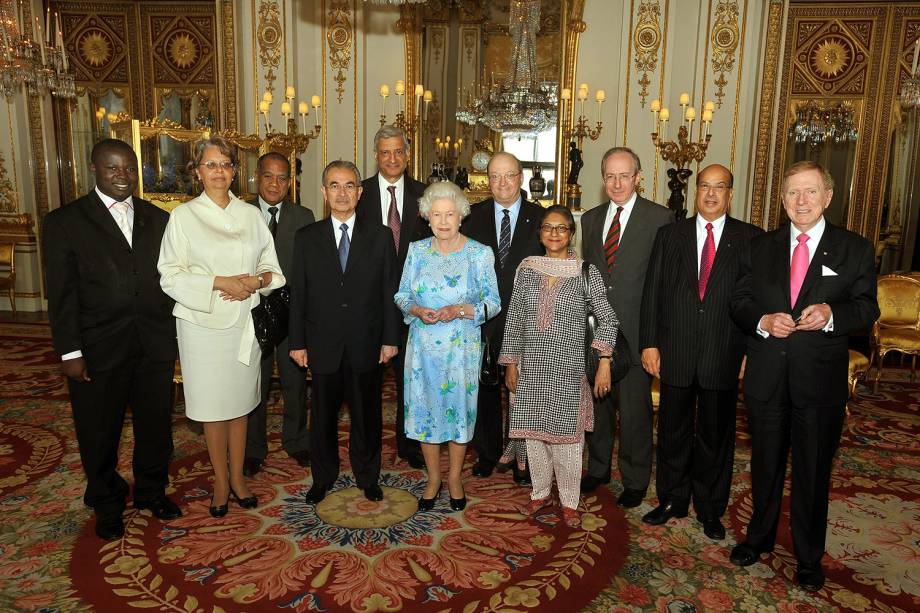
<point x="543" y="350"/>
<point x="447" y="292"/>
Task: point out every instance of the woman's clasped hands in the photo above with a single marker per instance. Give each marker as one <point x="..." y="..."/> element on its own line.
<point x="237" y="287"/>
<point x="432" y="316"/>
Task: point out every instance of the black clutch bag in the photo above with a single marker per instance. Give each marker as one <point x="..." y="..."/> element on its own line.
<point x="270" y="318"/>
<point x="619" y="362"/>
<point x="489" y="373"/>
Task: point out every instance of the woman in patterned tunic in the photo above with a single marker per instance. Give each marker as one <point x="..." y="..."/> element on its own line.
<point x="448" y="290"/>
<point x="543" y="350"/>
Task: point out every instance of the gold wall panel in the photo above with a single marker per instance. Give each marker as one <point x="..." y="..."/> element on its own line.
<point x="270" y="36"/>
<point x="647" y="39"/>
<point x="726" y="40"/>
<point x="340" y="37"/>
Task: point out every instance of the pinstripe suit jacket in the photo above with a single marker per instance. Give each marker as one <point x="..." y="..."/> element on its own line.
<point x="697" y="338"/>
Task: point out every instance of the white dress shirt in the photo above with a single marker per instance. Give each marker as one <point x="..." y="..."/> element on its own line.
<point x="513" y="212"/>
<point x="266" y="214"/>
<point x="337" y="228"/>
<point x="384" y="185"/>
<point x="624" y="216"/>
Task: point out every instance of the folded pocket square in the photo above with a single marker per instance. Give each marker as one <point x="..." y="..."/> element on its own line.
<point x="827" y="272"/>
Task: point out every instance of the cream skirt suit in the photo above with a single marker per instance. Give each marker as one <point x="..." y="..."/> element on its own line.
<point x="220" y="357"/>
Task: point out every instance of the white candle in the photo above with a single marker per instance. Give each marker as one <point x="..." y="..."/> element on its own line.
<point x="913" y="68"/>
<point x="48" y="24"/>
<point x="566" y="94"/>
<point x="684" y="99"/>
<point x="289" y="92"/>
<point x="286" y="109"/>
<point x="302" y="108"/>
<point x="656" y="105"/>
<point x="39" y="39"/>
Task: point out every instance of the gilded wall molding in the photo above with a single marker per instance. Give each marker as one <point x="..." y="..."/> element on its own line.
<point x="269" y="36"/>
<point x="647" y="39"/>
<point x="227" y="69"/>
<point x="726" y="39"/>
<point x="572" y="26"/>
<point x="36" y="137"/>
<point x="339" y="37"/>
<point x="8" y="197"/>
<point x="765" y="122"/>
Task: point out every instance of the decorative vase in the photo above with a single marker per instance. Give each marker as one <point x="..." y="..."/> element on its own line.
<point x="537" y="183"/>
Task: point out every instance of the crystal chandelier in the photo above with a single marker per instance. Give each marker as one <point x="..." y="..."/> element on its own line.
<point x="38" y="64"/>
<point x="521" y="104"/>
<point x="910" y="87"/>
<point x="817" y="123"/>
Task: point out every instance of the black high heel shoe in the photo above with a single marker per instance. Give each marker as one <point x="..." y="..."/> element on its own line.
<point x="426" y="504"/>
<point x="219" y="510"/>
<point x="457" y="504"/>
<point x="250" y="502"/>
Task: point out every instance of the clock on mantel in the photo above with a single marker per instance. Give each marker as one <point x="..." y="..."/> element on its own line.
<point x="479" y="177"/>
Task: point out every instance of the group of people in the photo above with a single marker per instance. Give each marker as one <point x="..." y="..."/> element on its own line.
<point x="419" y="279"/>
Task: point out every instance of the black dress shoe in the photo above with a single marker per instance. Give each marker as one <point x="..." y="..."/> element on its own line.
<point x="481" y="469"/>
<point x="633" y="498"/>
<point x="250" y="502"/>
<point x="218" y="510"/>
<point x="302" y="458"/>
<point x="416" y="461"/>
<point x="664" y="511"/>
<point x="161" y="507"/>
<point x="251" y="466"/>
<point x="810" y="578"/>
<point x="713" y="528"/>
<point x="110" y="527"/>
<point x="745" y="555"/>
<point x="522" y="477"/>
<point x="458" y="504"/>
<point x="589" y="483"/>
<point x="317" y="493"/>
<point x="373" y="493"/>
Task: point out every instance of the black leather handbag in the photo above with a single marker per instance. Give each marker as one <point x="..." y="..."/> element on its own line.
<point x="489" y="372"/>
<point x="270" y="318"/>
<point x="620" y="361"/>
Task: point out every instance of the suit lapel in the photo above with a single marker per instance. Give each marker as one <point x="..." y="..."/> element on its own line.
<point x="99" y="214"/>
<point x="781" y="259"/>
<point x="489" y="212"/>
<point x="823" y="252"/>
<point x="727" y="244"/>
<point x="409" y="216"/>
<point x="522" y="229"/>
<point x="328" y="244"/>
<point x="360" y="237"/>
<point x="688" y="253"/>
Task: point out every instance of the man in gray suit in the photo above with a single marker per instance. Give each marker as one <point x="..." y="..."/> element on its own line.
<point x="617" y="237"/>
<point x="284" y="218"/>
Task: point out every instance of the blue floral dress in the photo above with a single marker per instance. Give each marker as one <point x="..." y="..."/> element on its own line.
<point x="443" y="359"/>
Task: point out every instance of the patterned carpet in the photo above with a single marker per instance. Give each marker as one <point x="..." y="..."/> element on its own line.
<point x="348" y="554"/>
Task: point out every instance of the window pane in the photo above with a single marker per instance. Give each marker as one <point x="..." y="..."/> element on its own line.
<point x="522" y="149"/>
<point x="546" y="146"/>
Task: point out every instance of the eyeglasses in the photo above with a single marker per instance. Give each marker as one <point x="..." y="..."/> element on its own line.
<point x="508" y="176"/>
<point x="718" y="188"/>
<point x="336" y="187"/>
<point x="548" y="228"/>
<point x="212" y="165"/>
<point x="623" y="177"/>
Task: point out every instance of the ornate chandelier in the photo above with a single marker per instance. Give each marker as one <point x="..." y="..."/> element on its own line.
<point x="816" y="123"/>
<point x="521" y="104"/>
<point x="38" y="64"/>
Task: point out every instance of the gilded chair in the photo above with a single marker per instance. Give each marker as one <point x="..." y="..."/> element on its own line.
<point x="8" y="272"/>
<point x="898" y="326"/>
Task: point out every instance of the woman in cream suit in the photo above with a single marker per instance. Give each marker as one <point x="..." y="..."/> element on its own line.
<point x="216" y="258"/>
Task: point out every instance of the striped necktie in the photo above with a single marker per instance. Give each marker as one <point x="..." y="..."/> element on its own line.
<point x="504" y="238"/>
<point x="612" y="242"/>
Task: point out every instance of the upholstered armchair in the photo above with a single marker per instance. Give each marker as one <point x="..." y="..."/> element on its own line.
<point x="8" y="272"/>
<point x="898" y="326"/>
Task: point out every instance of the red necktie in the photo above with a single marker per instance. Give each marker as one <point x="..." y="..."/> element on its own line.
<point x="706" y="259"/>
<point x="612" y="242"/>
<point x="799" y="267"/>
<point x="393" y="216"/>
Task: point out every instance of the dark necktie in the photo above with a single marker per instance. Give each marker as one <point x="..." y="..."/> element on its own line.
<point x="393" y="216"/>
<point x="344" y="245"/>
<point x="504" y="239"/>
<point x="706" y="259"/>
<point x="273" y="222"/>
<point x="612" y="242"/>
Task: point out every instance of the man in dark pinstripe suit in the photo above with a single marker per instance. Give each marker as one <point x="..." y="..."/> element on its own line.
<point x="688" y="339"/>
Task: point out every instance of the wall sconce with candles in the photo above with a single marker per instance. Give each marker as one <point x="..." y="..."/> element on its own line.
<point x="579" y="132"/>
<point x="408" y="119"/>
<point x="683" y="152"/>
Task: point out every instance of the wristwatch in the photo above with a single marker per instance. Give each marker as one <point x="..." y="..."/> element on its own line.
<point x="462" y="312"/>
<point x="261" y="281"/>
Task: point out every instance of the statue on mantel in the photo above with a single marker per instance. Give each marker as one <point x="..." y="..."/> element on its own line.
<point x="575" y="164"/>
<point x="463" y="178"/>
<point x="678" y="185"/>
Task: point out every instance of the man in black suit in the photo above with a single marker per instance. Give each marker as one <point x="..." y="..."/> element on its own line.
<point x="617" y="237"/>
<point x="344" y="325"/>
<point x="390" y="197"/>
<point x="284" y="219"/>
<point x="509" y="224"/>
<point x="810" y="286"/>
<point x="689" y="341"/>
<point x="113" y="327"/>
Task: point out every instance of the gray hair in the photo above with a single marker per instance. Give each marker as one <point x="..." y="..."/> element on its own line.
<point x="390" y="132"/>
<point x="625" y="150"/>
<point x="443" y="190"/>
<point x="342" y="164"/>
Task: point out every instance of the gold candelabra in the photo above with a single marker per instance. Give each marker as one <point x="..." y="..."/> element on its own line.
<point x="408" y="117"/>
<point x="682" y="152"/>
<point x="577" y="134"/>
